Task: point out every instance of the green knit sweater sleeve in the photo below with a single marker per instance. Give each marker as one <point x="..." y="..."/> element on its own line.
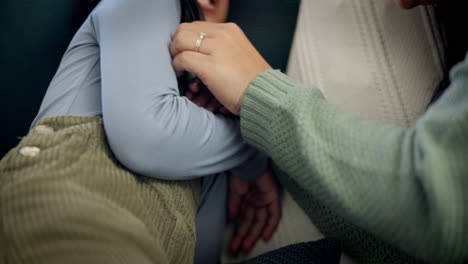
<point x="406" y="186"/>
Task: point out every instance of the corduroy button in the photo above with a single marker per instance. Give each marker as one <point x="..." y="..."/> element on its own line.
<point x="43" y="129"/>
<point x="29" y="151"/>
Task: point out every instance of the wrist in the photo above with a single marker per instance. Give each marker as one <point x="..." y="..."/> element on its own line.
<point x="263" y="100"/>
<point x="243" y="91"/>
<point x="252" y="168"/>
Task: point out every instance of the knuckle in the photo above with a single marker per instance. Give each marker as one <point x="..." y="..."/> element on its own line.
<point x="183" y="26"/>
<point x="231" y="30"/>
<point x="180" y="59"/>
<point x="232" y="26"/>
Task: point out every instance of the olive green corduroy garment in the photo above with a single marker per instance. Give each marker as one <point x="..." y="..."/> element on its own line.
<point x="365" y="182"/>
<point x="64" y="199"/>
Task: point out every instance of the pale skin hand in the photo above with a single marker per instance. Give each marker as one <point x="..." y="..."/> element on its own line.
<point x="227" y="61"/>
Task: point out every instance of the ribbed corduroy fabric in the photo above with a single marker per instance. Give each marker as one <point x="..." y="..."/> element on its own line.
<point x="65" y="199"/>
<point x="365" y="182"/>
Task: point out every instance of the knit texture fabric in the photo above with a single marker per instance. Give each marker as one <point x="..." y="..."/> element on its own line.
<point x="323" y="251"/>
<point x="387" y="192"/>
<point x="370" y="58"/>
<point x="65" y="199"/>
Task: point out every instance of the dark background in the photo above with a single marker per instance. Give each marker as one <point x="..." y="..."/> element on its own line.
<point x="35" y="34"/>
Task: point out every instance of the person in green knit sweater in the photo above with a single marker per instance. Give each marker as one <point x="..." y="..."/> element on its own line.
<point x="390" y="194"/>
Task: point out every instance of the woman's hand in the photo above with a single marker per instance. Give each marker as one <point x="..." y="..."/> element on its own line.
<point x="256" y="207"/>
<point x="226" y="61"/>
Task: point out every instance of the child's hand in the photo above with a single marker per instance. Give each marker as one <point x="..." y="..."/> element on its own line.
<point x="256" y="205"/>
<point x="202" y="97"/>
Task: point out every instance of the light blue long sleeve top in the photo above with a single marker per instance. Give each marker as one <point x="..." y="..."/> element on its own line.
<point x="122" y="54"/>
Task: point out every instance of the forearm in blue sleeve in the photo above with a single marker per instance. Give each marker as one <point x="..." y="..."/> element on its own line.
<point x="151" y="129"/>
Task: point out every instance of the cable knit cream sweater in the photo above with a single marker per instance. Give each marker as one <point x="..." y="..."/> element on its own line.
<point x="368" y="57"/>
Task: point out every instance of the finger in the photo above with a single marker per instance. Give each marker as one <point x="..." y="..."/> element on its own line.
<point x="234" y="204"/>
<point x="223" y="110"/>
<point x="190" y="95"/>
<point x="213" y="105"/>
<point x="274" y="216"/>
<point x="243" y="228"/>
<point x="255" y="230"/>
<point x="237" y="191"/>
<point x="267" y="190"/>
<point x="203" y="98"/>
<point x="187" y="40"/>
<point x="195" y="86"/>
<point x="190" y="61"/>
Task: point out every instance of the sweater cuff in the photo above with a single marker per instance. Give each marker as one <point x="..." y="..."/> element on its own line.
<point x="262" y="99"/>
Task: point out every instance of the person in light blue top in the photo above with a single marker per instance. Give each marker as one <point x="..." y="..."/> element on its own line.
<point x="119" y="66"/>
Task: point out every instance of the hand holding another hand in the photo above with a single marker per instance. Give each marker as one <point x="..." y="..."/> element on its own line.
<point x="226" y="61"/>
<point x="201" y="96"/>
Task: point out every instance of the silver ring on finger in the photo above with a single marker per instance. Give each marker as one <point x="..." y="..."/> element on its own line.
<point x="199" y="41"/>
